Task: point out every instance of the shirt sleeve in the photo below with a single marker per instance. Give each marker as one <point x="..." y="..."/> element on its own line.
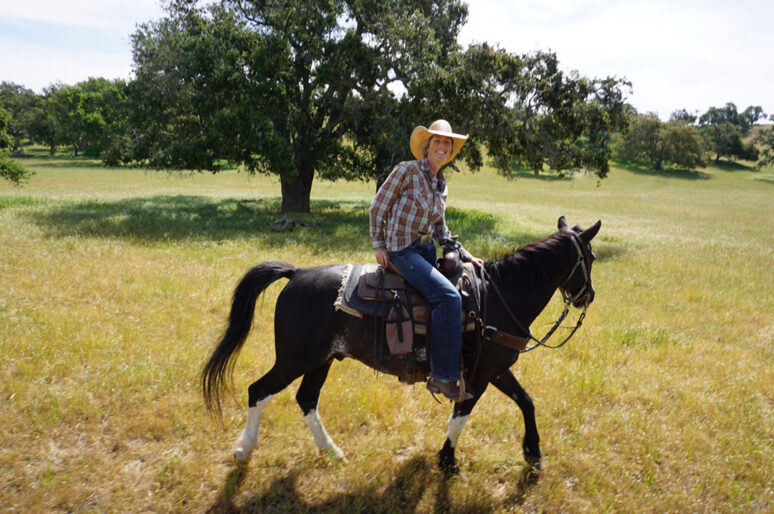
<point x="382" y="203"/>
<point x="440" y="230"/>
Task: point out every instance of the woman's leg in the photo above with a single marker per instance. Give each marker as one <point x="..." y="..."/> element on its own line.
<point x="446" y="325"/>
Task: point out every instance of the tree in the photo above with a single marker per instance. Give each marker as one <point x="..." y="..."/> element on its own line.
<point x="685" y="116"/>
<point x="89" y="116"/>
<point x="726" y="141"/>
<point x="9" y="169"/>
<point x="652" y="141"/>
<point x="41" y="124"/>
<point x="725" y="128"/>
<point x="334" y="87"/>
<point x="19" y="102"/>
<point x="765" y="138"/>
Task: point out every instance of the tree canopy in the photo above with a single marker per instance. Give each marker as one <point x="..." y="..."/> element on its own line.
<point x="9" y="169"/>
<point x="650" y="140"/>
<point x="765" y="138"/>
<point x="334" y="87"/>
<point x="19" y="102"/>
<point x="725" y="128"/>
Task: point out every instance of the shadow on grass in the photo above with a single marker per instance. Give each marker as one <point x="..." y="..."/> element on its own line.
<point x="414" y="480"/>
<point x="331" y="225"/>
<point x="733" y="166"/>
<point x="667" y="172"/>
<point x="60" y="159"/>
<point x="528" y="174"/>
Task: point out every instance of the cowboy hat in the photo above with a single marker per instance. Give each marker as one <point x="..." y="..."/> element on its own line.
<point x="421" y="134"/>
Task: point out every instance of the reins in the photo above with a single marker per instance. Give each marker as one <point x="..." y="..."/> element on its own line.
<point x="491" y="333"/>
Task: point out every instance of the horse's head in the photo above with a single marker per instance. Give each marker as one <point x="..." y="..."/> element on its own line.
<point x="577" y="286"/>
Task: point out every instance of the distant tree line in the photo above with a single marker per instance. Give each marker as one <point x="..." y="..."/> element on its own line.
<point x="333" y="88"/>
<point x="689" y="140"/>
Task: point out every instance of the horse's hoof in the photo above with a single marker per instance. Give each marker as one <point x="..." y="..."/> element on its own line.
<point x="336" y="453"/>
<point x="447" y="463"/>
<point x="533" y="458"/>
<point x="242" y="455"/>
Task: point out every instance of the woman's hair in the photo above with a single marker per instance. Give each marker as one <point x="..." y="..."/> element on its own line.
<point x="426" y="145"/>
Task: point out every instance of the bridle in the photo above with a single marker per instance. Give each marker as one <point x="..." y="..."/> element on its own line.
<point x="490" y="332"/>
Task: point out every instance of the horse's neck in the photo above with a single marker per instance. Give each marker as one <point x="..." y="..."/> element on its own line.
<point x="530" y="277"/>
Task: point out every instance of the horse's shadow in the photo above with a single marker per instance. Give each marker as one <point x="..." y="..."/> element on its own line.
<point x="412" y="482"/>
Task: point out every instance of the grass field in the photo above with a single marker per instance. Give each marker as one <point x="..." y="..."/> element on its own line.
<point x="116" y="283"/>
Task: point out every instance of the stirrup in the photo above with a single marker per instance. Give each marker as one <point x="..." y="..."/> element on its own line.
<point x="464" y="393"/>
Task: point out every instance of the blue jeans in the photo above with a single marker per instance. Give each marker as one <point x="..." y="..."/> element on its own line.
<point x="416" y="263"/>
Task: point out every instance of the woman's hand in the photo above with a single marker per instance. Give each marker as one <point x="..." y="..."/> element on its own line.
<point x="476" y="261"/>
<point x="382" y="257"/>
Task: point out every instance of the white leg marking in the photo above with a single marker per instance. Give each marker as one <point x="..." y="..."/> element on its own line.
<point x="455" y="429"/>
<point x="248" y="440"/>
<point x="321" y="437"/>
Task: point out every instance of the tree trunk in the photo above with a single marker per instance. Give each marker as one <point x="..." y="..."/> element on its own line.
<point x="52" y="150"/>
<point x="296" y="191"/>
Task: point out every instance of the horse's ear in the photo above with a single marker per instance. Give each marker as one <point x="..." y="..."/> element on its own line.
<point x="562" y="223"/>
<point x="588" y="234"/>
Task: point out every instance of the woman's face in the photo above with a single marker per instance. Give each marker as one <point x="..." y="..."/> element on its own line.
<point x="438" y="151"/>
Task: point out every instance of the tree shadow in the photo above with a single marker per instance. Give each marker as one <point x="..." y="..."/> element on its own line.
<point x="414" y="480"/>
<point x="733" y="166"/>
<point x="666" y="172"/>
<point x="528" y="174"/>
<point x="331" y="224"/>
<point x="60" y="159"/>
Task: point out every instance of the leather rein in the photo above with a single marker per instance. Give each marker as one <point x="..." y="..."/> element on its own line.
<point x="520" y="343"/>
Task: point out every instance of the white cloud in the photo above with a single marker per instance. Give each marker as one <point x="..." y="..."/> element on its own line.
<point x="120" y="15"/>
<point x="678" y="53"/>
<point x="50" y="41"/>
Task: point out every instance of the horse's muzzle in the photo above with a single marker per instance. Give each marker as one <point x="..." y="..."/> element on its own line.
<point x="585" y="299"/>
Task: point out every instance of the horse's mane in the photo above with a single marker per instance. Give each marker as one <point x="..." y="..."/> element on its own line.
<point x="532" y="264"/>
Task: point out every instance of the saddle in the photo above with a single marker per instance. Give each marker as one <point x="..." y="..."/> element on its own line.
<point x="368" y="291"/>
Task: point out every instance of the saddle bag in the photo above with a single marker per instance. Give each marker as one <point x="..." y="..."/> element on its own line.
<point x="377" y="285"/>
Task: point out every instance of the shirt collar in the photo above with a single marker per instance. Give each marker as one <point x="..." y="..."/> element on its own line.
<point x="425" y="166"/>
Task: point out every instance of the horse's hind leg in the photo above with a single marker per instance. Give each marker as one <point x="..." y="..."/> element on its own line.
<point x="508" y="384"/>
<point x="259" y="394"/>
<point x="308" y="397"/>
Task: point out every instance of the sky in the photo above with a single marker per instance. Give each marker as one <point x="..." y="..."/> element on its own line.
<point x="678" y="54"/>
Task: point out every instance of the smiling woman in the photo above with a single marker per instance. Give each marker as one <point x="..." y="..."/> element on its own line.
<point x="407" y="213"/>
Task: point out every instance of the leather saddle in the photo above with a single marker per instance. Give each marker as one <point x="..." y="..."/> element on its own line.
<point x="370" y="291"/>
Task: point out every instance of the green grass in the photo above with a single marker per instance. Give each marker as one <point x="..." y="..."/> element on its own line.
<point x="116" y="283"/>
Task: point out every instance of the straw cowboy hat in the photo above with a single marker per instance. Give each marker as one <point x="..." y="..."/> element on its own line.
<point x="421" y="134"/>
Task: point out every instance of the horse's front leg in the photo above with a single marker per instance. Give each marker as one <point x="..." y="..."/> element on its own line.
<point x="459" y="416"/>
<point x="508" y="384"/>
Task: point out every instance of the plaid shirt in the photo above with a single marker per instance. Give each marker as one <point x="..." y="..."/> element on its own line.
<point x="411" y="202"/>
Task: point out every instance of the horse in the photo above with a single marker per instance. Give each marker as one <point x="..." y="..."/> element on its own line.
<point x="309" y="334"/>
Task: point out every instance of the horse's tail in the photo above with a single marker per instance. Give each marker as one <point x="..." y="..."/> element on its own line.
<point x="217" y="371"/>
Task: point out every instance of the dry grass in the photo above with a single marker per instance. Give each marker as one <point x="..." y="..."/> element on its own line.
<point x="115" y="285"/>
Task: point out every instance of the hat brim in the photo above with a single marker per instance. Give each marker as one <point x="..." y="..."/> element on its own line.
<point x="421" y="134"/>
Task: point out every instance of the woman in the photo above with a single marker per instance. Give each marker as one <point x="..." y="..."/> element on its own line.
<point x="407" y="213"/>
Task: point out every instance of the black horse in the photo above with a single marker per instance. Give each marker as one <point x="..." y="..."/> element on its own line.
<point x="309" y="333"/>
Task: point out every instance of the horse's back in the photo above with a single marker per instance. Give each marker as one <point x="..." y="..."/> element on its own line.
<point x="315" y="284"/>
